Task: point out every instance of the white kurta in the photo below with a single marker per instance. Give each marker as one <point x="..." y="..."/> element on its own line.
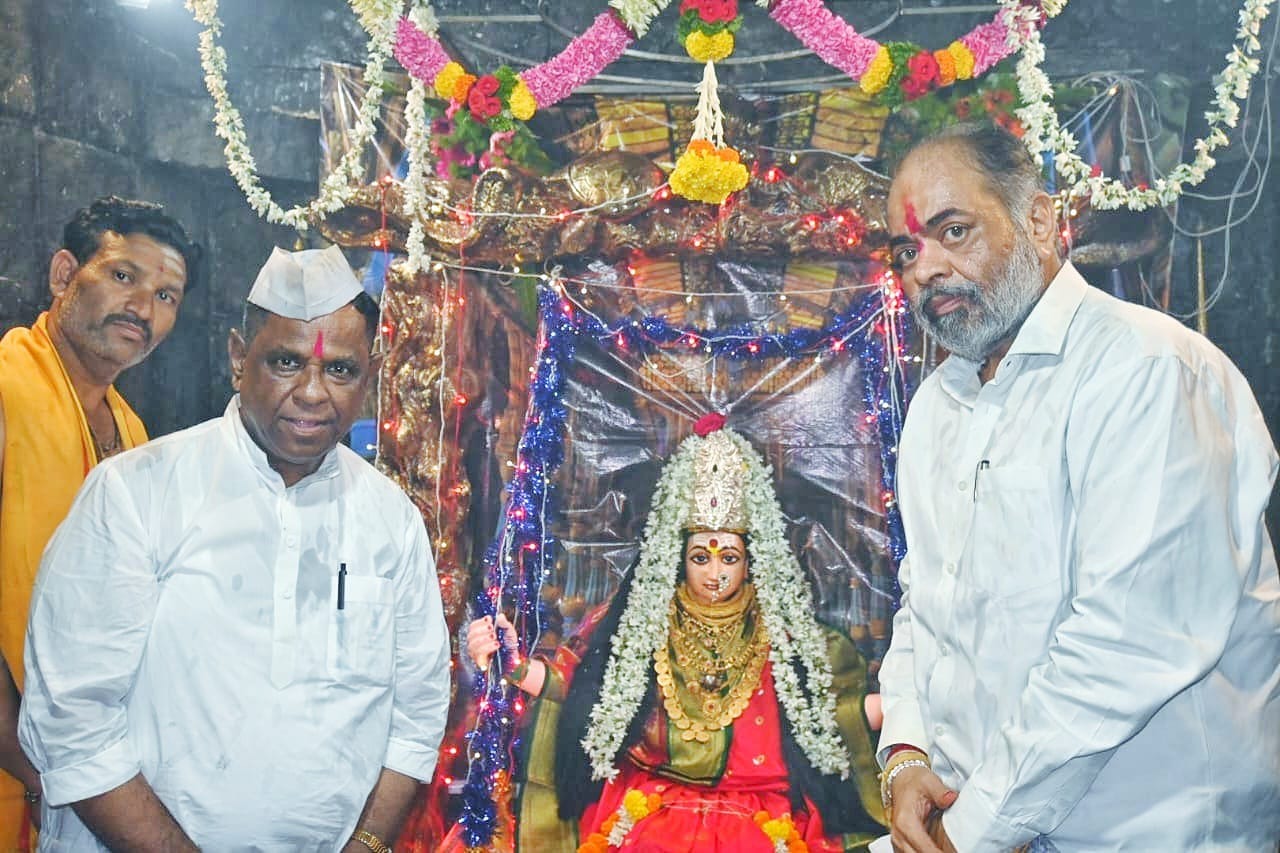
<point x="185" y="624"/>
<point x="1089" y="642"/>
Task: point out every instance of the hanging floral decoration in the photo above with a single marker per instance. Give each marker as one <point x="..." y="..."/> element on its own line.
<point x="1081" y="179"/>
<point x="897" y="71"/>
<point x="706" y="29"/>
<point x="708" y="170"/>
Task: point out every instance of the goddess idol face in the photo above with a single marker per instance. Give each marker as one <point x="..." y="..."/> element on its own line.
<point x="715" y="566"/>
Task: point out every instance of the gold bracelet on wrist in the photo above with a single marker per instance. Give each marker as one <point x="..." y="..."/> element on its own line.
<point x="368" y="839"/>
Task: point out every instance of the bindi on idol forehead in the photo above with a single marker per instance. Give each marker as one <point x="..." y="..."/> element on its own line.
<point x="318" y="349"/>
<point x="913" y="222"/>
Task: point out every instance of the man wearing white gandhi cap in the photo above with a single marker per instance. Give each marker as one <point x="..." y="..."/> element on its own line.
<point x="236" y="638"/>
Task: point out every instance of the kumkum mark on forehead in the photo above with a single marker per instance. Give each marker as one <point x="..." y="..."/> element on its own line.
<point x="318" y="349"/>
<point x="913" y="222"/>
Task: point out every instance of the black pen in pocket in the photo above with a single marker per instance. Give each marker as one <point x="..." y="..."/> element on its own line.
<point x="342" y="586"/>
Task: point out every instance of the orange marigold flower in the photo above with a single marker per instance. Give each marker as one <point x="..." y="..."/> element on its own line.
<point x="462" y="87"/>
<point x="946" y="67"/>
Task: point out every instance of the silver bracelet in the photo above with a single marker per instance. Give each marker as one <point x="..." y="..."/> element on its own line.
<point x="892" y="774"/>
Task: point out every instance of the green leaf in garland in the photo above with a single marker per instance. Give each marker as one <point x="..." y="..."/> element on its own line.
<point x="900" y="52"/>
<point x="506" y="82"/>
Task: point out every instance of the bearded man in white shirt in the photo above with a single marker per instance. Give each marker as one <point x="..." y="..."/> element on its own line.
<point x="236" y="639"/>
<point x="1087" y="656"/>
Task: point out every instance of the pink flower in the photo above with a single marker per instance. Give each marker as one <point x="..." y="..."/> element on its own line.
<point x="584" y="58"/>
<point x="488" y="84"/>
<point x="420" y="54"/>
<point x="989" y="44"/>
<point x="833" y="40"/>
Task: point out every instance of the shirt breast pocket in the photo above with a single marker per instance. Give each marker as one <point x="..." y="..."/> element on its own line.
<point x="1017" y="532"/>
<point x="362" y="633"/>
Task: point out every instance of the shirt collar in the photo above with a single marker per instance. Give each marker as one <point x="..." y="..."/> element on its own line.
<point x="257" y="457"/>
<point x="1044" y="332"/>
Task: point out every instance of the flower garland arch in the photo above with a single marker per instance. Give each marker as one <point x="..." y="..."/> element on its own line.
<point x="892" y="71"/>
<point x="1044" y="133"/>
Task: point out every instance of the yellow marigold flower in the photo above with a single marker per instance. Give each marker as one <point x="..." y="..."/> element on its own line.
<point x="447" y="79"/>
<point x="634" y="802"/>
<point x="523" y="104"/>
<point x="946" y="67"/>
<point x="777" y="829"/>
<point x="876" y="77"/>
<point x="964" y="60"/>
<point x="706" y="177"/>
<point x="705" y="48"/>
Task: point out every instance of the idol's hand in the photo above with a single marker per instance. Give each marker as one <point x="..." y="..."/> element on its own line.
<point x="482" y="639"/>
<point x="918" y="797"/>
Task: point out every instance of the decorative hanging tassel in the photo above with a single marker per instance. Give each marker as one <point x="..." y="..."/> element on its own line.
<point x="708" y="170"/>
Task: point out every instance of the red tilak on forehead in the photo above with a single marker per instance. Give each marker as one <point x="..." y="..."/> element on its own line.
<point x="318" y="351"/>
<point x="913" y="224"/>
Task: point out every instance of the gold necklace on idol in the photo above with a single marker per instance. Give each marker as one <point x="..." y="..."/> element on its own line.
<point x="713" y="660"/>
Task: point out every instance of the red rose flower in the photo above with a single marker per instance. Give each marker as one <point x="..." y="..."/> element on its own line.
<point x="481" y="105"/>
<point x="689" y="5"/>
<point x="717" y="11"/>
<point x="488" y="84"/>
<point x="923" y="67"/>
<point x="708" y="424"/>
<point x="913" y="88"/>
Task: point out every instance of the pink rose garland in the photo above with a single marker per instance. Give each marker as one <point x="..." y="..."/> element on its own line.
<point x="988" y="43"/>
<point x="420" y="54"/>
<point x="582" y="59"/>
<point x="831" y="38"/>
<point x="554" y="80"/>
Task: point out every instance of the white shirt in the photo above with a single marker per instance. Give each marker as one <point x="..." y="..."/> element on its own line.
<point x="184" y="625"/>
<point x="1089" y="638"/>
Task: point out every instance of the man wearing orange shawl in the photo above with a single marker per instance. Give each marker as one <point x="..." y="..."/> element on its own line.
<point x="117" y="283"/>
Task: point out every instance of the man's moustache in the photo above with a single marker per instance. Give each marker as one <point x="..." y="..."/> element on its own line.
<point x="967" y="290"/>
<point x="132" y="320"/>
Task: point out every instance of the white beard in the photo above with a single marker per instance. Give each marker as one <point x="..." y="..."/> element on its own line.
<point x="992" y="314"/>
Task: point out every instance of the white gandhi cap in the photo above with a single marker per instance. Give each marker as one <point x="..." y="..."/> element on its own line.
<point x="305" y="285"/>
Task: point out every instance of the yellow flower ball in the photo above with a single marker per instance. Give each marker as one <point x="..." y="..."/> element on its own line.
<point x="447" y="79"/>
<point x="707" y="177"/>
<point x="964" y="60"/>
<point x="876" y="77"/>
<point x="704" y="48"/>
<point x="635" y="804"/>
<point x="523" y="104"/>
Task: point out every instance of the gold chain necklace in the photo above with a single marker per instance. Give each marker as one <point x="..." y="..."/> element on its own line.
<point x="712" y="661"/>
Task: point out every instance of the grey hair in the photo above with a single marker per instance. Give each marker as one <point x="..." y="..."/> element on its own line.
<point x="1008" y="168"/>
